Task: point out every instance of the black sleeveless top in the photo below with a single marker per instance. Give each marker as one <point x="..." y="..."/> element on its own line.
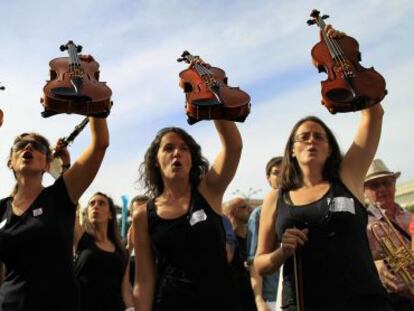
<point x="192" y="269"/>
<point x="337" y="264"/>
<point x="36" y="249"/>
<point x="100" y="274"/>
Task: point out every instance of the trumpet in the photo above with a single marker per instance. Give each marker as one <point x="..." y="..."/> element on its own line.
<point x="56" y="165"/>
<point x="398" y="252"/>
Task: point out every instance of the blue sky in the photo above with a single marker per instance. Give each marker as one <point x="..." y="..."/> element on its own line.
<point x="264" y="46"/>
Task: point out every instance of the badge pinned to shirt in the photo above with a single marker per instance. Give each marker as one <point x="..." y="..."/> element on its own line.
<point x="37" y="212"/>
<point x="342" y="204"/>
<point x="197" y="217"/>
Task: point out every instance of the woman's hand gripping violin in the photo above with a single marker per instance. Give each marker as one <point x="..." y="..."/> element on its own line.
<point x="207" y="94"/>
<point x="349" y="87"/>
<point x="74" y="86"/>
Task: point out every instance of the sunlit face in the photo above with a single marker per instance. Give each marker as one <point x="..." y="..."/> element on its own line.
<point x="174" y="157"/>
<point x="29" y="156"/>
<point x="311" y="145"/>
<point x="381" y="190"/>
<point x="98" y="209"/>
<point x="274" y="175"/>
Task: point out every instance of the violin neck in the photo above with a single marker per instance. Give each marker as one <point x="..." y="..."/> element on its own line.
<point x="334" y="49"/>
<point x="74" y="61"/>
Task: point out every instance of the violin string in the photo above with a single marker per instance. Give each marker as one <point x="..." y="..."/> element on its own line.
<point x="333" y="46"/>
<point x="347" y="71"/>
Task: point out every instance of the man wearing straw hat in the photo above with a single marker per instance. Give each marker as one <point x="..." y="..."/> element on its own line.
<point x="379" y="189"/>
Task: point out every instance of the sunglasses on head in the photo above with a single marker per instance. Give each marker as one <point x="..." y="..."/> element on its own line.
<point x="20" y="145"/>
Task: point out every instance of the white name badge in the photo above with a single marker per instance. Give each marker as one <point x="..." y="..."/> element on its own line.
<point x="342" y="204"/>
<point x="37" y="212"/>
<point x="198" y="216"/>
<point x="3" y="223"/>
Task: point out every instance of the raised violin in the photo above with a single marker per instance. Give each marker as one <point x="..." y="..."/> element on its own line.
<point x="207" y="94"/>
<point x="2" y="88"/>
<point x="74" y="85"/>
<point x="349" y="86"/>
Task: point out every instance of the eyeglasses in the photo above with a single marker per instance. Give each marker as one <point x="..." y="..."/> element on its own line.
<point x="244" y="206"/>
<point x="20" y="145"/>
<point x="305" y="137"/>
<point x="375" y="185"/>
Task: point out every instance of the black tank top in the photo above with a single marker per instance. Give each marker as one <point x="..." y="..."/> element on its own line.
<point x="336" y="261"/>
<point x="100" y="275"/>
<point x="192" y="269"/>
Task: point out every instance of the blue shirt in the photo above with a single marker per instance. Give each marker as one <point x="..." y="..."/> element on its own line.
<point x="270" y="282"/>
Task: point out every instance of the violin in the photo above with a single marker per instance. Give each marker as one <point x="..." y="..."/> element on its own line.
<point x="208" y="97"/>
<point x="74" y="85"/>
<point x="2" y="88"/>
<point x="349" y="86"/>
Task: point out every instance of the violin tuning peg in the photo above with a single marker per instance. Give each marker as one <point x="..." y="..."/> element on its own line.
<point x="185" y="53"/>
<point x="79" y="48"/>
<point x="63" y="47"/>
<point x="325" y="16"/>
<point x="310" y="22"/>
<point x="180" y="59"/>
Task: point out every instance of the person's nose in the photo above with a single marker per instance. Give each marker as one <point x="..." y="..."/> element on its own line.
<point x="177" y="152"/>
<point x="29" y="147"/>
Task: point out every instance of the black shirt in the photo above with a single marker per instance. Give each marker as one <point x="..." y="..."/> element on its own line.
<point x="36" y="249"/>
<point x="100" y="274"/>
<point x="192" y="269"/>
<point x="337" y="265"/>
<point x="241" y="277"/>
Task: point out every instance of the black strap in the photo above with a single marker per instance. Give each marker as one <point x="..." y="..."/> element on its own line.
<point x="401" y="230"/>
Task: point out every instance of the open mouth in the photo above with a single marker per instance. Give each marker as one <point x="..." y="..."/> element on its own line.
<point x="176" y="164"/>
<point x="27" y="155"/>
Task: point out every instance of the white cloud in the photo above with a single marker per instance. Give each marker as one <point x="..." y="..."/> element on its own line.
<point x="261" y="45"/>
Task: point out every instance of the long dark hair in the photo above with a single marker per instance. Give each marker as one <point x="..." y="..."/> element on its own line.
<point x="291" y="174"/>
<point x="150" y="175"/>
<point x="113" y="230"/>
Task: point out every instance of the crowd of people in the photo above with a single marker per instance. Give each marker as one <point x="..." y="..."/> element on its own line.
<point x="328" y="220"/>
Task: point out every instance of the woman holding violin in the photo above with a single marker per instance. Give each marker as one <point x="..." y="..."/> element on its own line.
<point x="316" y="223"/>
<point x="37" y="223"/>
<point x="179" y="238"/>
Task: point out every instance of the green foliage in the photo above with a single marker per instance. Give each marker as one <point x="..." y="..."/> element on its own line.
<point x="410" y="208"/>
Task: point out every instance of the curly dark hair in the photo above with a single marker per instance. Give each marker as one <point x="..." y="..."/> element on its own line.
<point x="291" y="174"/>
<point x="150" y="175"/>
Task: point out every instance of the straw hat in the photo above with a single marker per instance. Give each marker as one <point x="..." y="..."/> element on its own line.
<point x="378" y="169"/>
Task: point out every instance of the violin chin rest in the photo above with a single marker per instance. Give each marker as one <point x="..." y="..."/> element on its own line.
<point x="69" y="93"/>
